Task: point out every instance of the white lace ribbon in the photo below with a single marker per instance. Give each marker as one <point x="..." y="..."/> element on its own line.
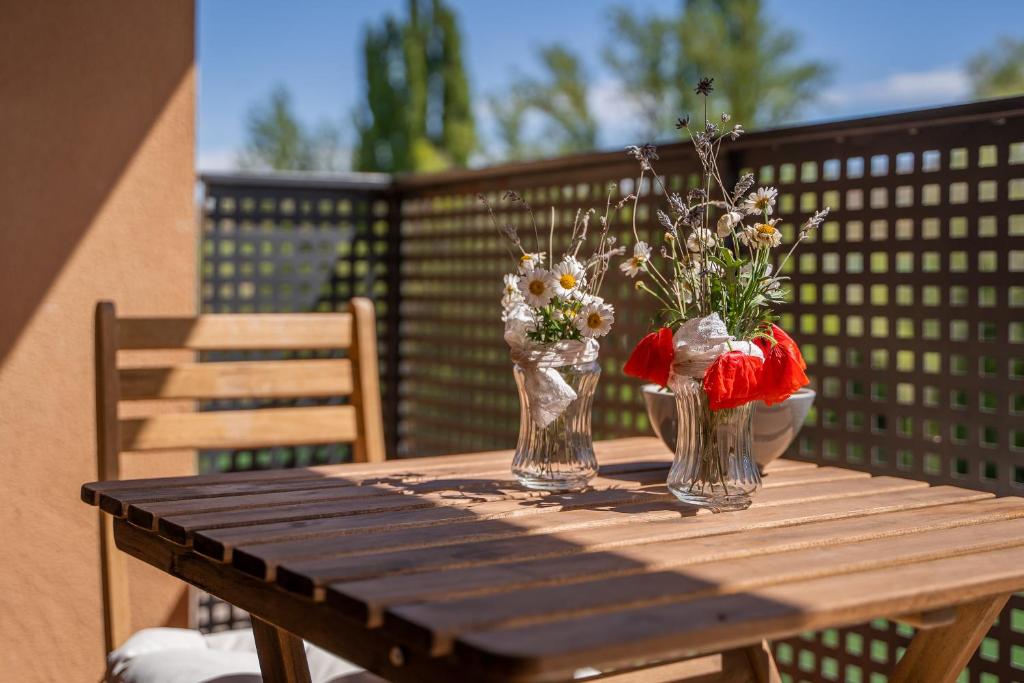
<point x="698" y="342"/>
<point x="548" y="394"/>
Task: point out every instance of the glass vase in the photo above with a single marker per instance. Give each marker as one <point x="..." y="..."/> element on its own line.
<point x="560" y="456"/>
<point x="713" y="466"/>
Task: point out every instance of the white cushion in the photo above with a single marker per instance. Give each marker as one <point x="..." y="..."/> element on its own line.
<point x="179" y="655"/>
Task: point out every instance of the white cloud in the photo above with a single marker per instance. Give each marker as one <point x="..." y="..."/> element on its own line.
<point x="612" y="105"/>
<point x="216" y="160"/>
<point x="900" y="90"/>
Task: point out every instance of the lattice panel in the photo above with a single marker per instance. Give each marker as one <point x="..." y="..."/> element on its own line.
<point x="908" y="306"/>
<point x="457" y="392"/>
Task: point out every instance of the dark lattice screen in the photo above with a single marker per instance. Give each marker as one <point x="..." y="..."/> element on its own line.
<point x="909" y="305"/>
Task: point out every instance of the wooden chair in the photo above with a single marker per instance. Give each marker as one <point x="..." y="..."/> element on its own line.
<point x="358" y="422"/>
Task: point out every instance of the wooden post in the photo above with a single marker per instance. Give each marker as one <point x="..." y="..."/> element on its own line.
<point x="282" y="655"/>
<point x="113" y="569"/>
<point x="938" y="655"/>
<point x="369" y="444"/>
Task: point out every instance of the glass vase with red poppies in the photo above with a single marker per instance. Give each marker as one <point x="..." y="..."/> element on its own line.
<point x="717" y="279"/>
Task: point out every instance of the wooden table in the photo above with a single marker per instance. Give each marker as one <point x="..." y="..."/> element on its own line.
<point x="443" y="569"/>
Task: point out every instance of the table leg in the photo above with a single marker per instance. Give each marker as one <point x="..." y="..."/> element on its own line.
<point x="938" y="655"/>
<point x="762" y="663"/>
<point x="282" y="655"/>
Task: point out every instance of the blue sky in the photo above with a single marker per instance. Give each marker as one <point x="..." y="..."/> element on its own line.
<point x="887" y="54"/>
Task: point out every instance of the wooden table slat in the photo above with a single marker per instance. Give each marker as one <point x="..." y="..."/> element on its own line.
<point x="367" y="599"/>
<point x="823" y="500"/>
<point x="147" y="514"/>
<point x="670" y="630"/>
<point x="611" y="458"/>
<point x="261" y="559"/>
<point x="180" y="528"/>
<point x="218" y="543"/>
<point x="634" y="447"/>
<point x="433" y="625"/>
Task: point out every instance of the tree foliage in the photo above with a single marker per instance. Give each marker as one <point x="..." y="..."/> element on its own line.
<point x="557" y="101"/>
<point x="418" y="114"/>
<point x="277" y="140"/>
<point x="999" y="72"/>
<point x="644" y="57"/>
<point x="757" y="77"/>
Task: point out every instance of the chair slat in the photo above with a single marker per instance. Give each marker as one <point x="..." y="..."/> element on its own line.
<point x="239" y="332"/>
<point x="240" y="428"/>
<point x="262" y="379"/>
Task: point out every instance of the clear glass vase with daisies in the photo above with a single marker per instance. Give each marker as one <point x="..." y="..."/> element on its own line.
<point x="717" y="349"/>
<point x="553" y="317"/>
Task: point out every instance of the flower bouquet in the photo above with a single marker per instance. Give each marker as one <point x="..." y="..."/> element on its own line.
<point x="553" y="318"/>
<point x="719" y="349"/>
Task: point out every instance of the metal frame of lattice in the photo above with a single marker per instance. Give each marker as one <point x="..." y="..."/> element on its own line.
<point x="909" y="304"/>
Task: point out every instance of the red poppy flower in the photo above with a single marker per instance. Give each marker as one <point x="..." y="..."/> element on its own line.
<point x="652" y="358"/>
<point x="732" y="380"/>
<point x="783" y="369"/>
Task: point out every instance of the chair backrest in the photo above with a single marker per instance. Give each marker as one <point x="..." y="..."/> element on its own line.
<point x="356" y="376"/>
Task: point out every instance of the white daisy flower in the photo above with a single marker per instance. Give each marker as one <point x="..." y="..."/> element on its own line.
<point x="567" y="277"/>
<point x="701" y="240"/>
<point x="511" y="299"/>
<point x="529" y="261"/>
<point x="595" y="320"/>
<point x="511" y="284"/>
<point x="727" y="222"/>
<point x="762" y="235"/>
<point x="510" y="294"/>
<point x="761" y="202"/>
<point x="535" y="286"/>
<point x="641" y="255"/>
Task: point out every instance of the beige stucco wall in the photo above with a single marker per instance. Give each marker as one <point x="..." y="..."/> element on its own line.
<point x="96" y="201"/>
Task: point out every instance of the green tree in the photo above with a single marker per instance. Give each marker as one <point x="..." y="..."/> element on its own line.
<point x="509" y="112"/>
<point x="644" y="57"/>
<point x="558" y="99"/>
<point x="276" y="138"/>
<point x="562" y="98"/>
<point x="418" y="114"/>
<point x="757" y="76"/>
<point x="998" y="72"/>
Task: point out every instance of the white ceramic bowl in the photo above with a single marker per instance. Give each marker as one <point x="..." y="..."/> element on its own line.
<point x="774" y="427"/>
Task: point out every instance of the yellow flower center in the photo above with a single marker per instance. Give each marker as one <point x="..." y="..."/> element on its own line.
<point x="594" y="321"/>
<point x="568" y="281"/>
<point x="766" y="229"/>
<point x="536" y="287"/>
<point x="762" y="203"/>
<point x="525" y="258"/>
